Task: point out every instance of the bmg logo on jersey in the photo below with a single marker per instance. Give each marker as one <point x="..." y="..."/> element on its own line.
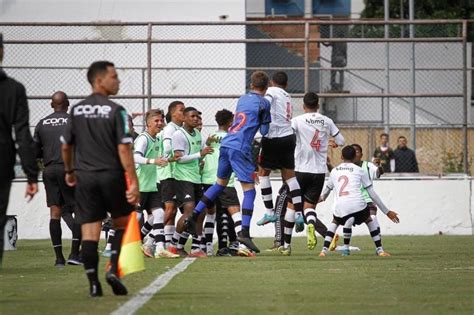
<point x="93" y="111"/>
<point x="61" y="121"/>
<point x="312" y="121"/>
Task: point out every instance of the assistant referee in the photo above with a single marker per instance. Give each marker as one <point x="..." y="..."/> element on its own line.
<point x="100" y="138"/>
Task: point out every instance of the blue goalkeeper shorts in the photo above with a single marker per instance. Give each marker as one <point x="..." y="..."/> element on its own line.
<point x="236" y="161"/>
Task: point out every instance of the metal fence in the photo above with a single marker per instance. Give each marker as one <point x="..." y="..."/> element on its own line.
<point x="373" y="77"/>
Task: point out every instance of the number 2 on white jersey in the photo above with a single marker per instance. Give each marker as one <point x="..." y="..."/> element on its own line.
<point x="343" y="186"/>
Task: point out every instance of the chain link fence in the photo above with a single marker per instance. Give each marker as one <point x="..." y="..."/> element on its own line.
<point x="373" y="77"/>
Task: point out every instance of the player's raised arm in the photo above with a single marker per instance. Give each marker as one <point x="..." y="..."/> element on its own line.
<point x="336" y="133"/>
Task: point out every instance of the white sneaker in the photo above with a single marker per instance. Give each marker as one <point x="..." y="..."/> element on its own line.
<point x="163" y="253"/>
<point x="209" y="249"/>
<point x="148" y="246"/>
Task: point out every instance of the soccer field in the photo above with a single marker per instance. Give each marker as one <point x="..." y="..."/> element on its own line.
<point x="426" y="275"/>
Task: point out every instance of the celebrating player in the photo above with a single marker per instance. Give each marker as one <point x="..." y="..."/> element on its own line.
<point x="146" y="155"/>
<point x="278" y="151"/>
<point x="313" y="131"/>
<point x="349" y="207"/>
<point x="252" y="113"/>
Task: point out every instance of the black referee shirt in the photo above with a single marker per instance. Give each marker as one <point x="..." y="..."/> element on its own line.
<point x="96" y="127"/>
<point x="47" y="133"/>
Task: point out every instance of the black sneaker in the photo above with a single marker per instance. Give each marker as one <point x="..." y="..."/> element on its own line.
<point x="95" y="290"/>
<point x="60" y="263"/>
<point x="74" y="260"/>
<point x="234" y="248"/>
<point x="190" y="225"/>
<point x="225" y="251"/>
<point x="117" y="285"/>
<point x="244" y="238"/>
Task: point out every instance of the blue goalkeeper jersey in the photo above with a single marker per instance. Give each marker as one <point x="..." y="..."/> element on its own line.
<point x="252" y="111"/>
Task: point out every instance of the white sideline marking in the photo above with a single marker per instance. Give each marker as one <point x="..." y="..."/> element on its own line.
<point x="142" y="297"/>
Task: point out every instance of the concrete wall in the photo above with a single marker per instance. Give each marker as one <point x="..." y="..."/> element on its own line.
<point x="425" y="206"/>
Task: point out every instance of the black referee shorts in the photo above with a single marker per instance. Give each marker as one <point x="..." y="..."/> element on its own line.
<point x="58" y="193"/>
<point x="100" y="192"/>
<point x="311" y="186"/>
<point x="278" y="153"/>
<point x="360" y="217"/>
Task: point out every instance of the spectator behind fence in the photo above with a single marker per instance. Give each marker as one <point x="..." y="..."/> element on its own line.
<point x="383" y="155"/>
<point x="14" y="116"/>
<point x="405" y="158"/>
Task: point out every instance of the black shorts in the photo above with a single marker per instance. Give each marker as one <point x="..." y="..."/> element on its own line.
<point x="58" y="193"/>
<point x="278" y="153"/>
<point x="372" y="208"/>
<point x="168" y="190"/>
<point x="100" y="192"/>
<point x="187" y="192"/>
<point x="360" y="217"/>
<point x="150" y="200"/>
<point x="311" y="186"/>
<point x="229" y="198"/>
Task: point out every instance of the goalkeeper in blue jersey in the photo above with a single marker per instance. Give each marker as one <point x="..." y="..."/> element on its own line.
<point x="252" y="114"/>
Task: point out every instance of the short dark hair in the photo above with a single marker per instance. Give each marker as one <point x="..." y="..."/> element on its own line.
<point x="311" y="100"/>
<point x="280" y="78"/>
<point x="168" y="117"/>
<point x="402" y="137"/>
<point x="355" y="145"/>
<point x="348" y="153"/>
<point x="259" y="80"/>
<point x="172" y="106"/>
<point x="97" y="68"/>
<point x="191" y="109"/>
<point x="223" y="117"/>
<point x="384" y="134"/>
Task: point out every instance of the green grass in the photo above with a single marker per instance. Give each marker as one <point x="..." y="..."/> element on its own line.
<point x="426" y="275"/>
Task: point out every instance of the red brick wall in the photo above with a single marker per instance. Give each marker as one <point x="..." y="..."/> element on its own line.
<point x="292" y="31"/>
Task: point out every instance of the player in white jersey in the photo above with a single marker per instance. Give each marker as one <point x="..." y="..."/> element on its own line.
<point x="147" y="158"/>
<point x="277" y="152"/>
<point x="349" y="207"/>
<point x="168" y="189"/>
<point x="313" y="132"/>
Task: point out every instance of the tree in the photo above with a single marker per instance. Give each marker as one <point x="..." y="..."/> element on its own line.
<point x="424" y="9"/>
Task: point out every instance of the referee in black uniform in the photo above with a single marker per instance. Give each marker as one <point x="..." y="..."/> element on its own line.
<point x="14" y="115"/>
<point x="58" y="193"/>
<point x="99" y="136"/>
